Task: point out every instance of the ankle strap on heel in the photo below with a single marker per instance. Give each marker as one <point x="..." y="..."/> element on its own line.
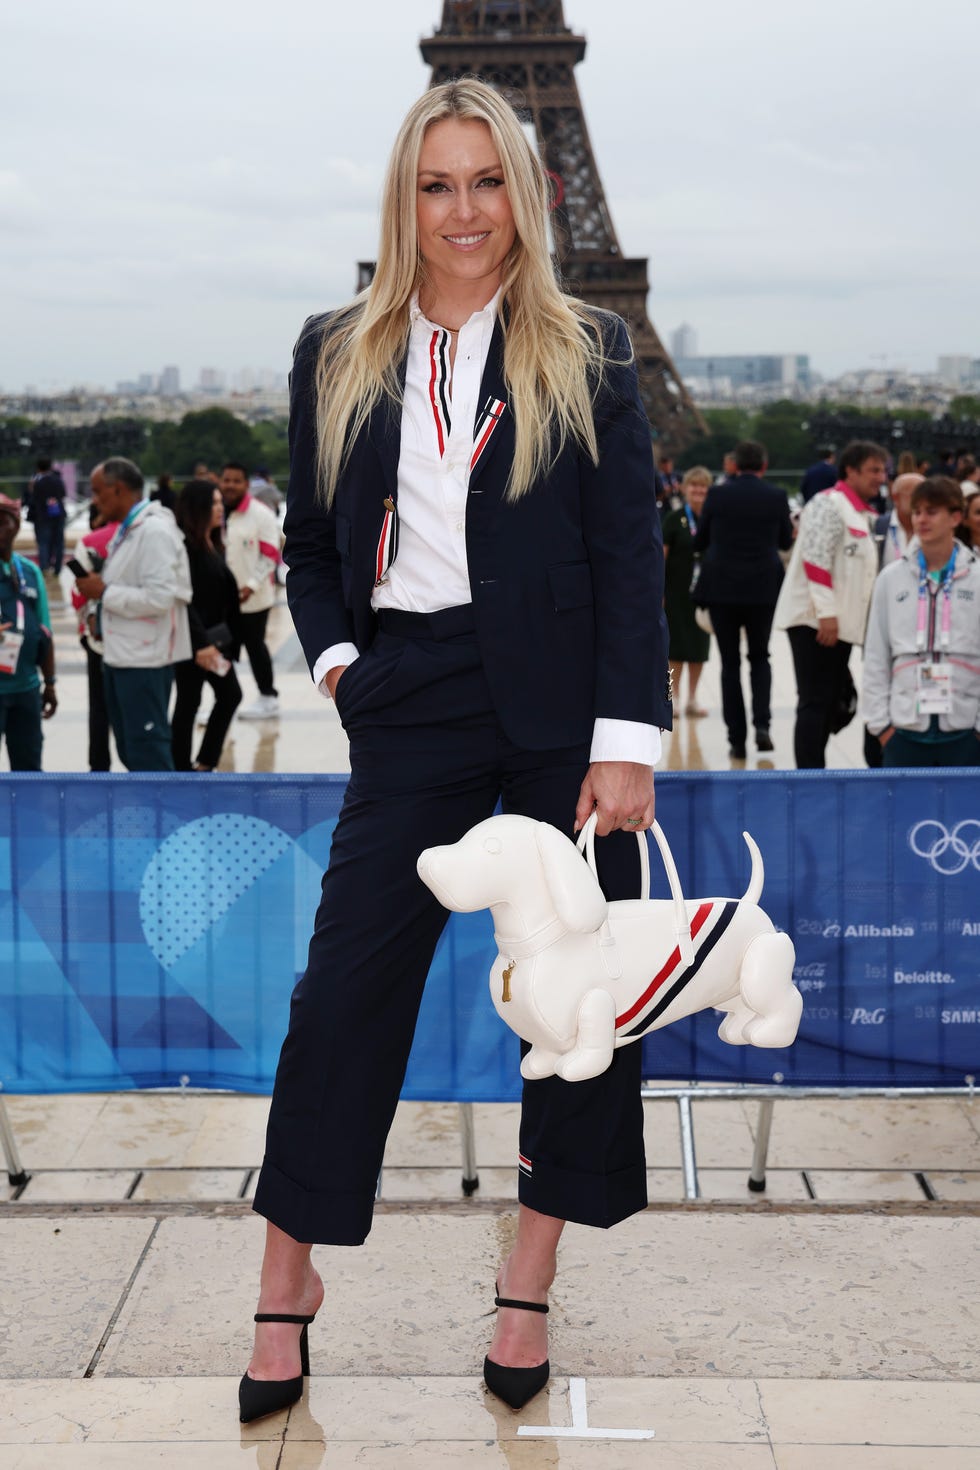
<point x="506" y="1301"/>
<point x="286" y="1317"/>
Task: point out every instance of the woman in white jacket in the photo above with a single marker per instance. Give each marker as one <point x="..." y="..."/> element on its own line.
<point x="921" y="692"/>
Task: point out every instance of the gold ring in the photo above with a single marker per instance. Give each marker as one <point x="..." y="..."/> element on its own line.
<point x="633" y="821"/>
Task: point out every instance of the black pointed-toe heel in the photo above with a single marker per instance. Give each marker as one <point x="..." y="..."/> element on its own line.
<point x="516" y="1385"/>
<point x="259" y="1396"/>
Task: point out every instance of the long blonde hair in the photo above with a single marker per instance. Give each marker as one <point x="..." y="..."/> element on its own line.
<point x="553" y="347"/>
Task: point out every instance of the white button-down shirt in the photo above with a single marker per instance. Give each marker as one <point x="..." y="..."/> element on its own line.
<point x="437" y="442"/>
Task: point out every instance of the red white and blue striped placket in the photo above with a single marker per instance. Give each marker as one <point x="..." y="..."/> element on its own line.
<point x="387" y="542"/>
<point x="486" y="426"/>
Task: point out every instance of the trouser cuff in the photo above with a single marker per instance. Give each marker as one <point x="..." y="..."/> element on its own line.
<point x="312" y="1216"/>
<point x="602" y="1200"/>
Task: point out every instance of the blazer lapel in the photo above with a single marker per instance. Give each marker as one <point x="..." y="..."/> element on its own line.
<point x="494" y="421"/>
<point x="384" y="433"/>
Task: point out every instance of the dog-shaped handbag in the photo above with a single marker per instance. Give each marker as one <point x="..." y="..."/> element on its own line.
<point x="577" y="976"/>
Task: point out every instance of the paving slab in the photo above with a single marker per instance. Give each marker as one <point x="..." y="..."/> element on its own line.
<point x="64" y="1279"/>
<point x="189" y="1184"/>
<point x="957" y="1185"/>
<point x="874" y="1457"/>
<point x="848" y="1413"/>
<point x="50" y="1129"/>
<point x="872" y="1133"/>
<point x="92" y="1186"/>
<point x="869" y="1185"/>
<point x="664" y="1295"/>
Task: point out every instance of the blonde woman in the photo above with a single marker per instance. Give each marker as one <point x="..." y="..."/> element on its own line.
<point x="689" y="644"/>
<point x="473" y="554"/>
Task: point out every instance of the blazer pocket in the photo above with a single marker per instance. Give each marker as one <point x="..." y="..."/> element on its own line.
<point x="571" y="585"/>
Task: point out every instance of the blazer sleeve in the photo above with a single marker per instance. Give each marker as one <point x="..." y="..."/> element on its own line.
<point x="785" y="525"/>
<point x="314" y="587"/>
<point x="621" y="526"/>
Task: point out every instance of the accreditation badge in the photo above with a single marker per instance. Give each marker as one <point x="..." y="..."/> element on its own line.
<point x="11" y="643"/>
<point x="934" y="689"/>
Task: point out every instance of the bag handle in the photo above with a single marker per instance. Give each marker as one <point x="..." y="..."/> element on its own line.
<point x="682" y="923"/>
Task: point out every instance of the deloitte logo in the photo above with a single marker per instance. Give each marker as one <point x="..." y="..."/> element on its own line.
<point x="947" y="851"/>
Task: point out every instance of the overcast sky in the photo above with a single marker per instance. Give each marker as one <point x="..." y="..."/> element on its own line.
<point x="184" y="183"/>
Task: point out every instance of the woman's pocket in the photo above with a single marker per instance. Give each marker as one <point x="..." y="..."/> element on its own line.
<point x="364" y="684"/>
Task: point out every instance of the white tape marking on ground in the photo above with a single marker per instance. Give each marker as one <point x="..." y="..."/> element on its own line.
<point x="580" y="1422"/>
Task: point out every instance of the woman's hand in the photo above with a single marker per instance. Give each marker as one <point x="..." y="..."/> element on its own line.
<point x="618" y="791"/>
<point x="208" y="658"/>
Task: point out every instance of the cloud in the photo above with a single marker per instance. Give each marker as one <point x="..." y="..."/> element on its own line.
<point x="20" y="207"/>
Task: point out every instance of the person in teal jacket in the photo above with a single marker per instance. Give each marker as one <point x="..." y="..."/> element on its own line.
<point x="26" y="646"/>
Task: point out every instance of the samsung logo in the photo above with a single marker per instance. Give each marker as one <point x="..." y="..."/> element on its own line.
<point x="960" y="1018"/>
<point x="923" y="977"/>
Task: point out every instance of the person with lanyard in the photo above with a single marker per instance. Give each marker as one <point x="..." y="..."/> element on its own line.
<point x="921" y="684"/>
<point x="25" y="646"/>
<point x="689" y="643"/>
<point x="143" y="591"/>
<point x="476" y="578"/>
<point x="893" y="529"/>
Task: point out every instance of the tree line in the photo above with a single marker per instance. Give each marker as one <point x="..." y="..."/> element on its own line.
<point x="214" y="435"/>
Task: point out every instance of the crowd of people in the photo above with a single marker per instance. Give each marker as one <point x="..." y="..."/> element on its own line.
<point x="195" y="584"/>
<point x="876" y="555"/>
<point x="169" y="589"/>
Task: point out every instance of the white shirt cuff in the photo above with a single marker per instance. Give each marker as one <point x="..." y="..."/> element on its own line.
<point x="331" y="658"/>
<point x="625" y="740"/>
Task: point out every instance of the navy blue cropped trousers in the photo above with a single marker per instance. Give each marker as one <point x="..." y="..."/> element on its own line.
<point x="428" y="761"/>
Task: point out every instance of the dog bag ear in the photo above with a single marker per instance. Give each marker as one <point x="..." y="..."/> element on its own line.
<point x="574" y="889"/>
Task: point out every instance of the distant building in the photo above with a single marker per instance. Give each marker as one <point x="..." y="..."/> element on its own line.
<point x="768" y="370"/>
<point x="684" y="342"/>
<point x="212" y="380"/>
<point x="956" y="371"/>
<point x="146" y="383"/>
<point x="170" y="382"/>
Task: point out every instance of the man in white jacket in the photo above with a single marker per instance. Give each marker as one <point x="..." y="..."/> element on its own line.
<point x="921" y="693"/>
<point x="143" y="592"/>
<point x="823" y="603"/>
<point x="252" y="549"/>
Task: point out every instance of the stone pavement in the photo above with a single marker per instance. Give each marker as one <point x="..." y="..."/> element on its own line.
<point x="831" y="1324"/>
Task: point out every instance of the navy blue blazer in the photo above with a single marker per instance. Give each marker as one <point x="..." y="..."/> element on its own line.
<point x="567" y="583"/>
<point x="744" y="525"/>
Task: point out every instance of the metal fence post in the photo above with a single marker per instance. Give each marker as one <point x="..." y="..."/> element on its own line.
<point x="15" y="1169"/>
<point x="757" y="1176"/>
<point x="471" y="1179"/>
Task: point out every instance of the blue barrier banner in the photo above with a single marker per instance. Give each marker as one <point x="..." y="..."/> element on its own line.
<point x="152" y="929"/>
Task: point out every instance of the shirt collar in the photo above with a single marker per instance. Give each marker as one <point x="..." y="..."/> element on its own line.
<point x="853" y="497"/>
<point x="488" y="312"/>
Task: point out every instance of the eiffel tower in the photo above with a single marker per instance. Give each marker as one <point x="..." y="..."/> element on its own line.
<point x="525" y="50"/>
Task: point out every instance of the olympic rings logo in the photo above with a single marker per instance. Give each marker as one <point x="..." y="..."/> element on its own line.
<point x="947" y="852"/>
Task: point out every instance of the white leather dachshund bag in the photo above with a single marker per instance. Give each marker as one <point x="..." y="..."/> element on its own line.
<point x="577" y="976"/>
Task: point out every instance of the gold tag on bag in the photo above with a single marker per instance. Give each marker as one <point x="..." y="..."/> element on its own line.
<point x="506" y="978"/>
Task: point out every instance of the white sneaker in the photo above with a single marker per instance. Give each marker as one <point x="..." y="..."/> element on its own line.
<point x="266" y="707"/>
